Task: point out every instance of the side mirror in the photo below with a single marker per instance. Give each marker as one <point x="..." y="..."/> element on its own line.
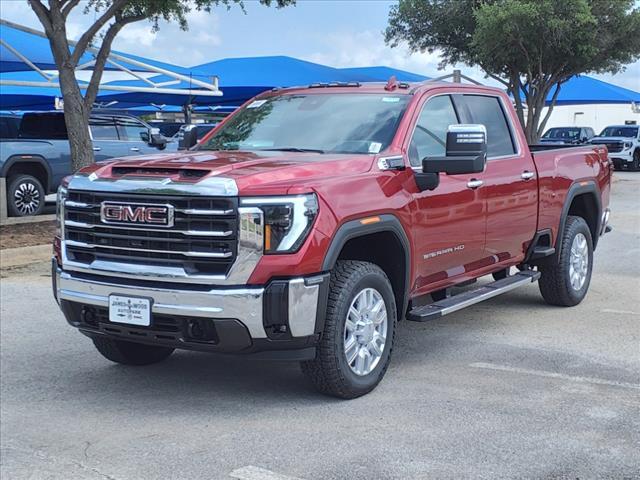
<point x="144" y="136"/>
<point x="156" y="139"/>
<point x="188" y="137"/>
<point x="466" y="152"/>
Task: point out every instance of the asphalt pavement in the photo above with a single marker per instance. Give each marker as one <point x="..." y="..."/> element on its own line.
<point x="510" y="388"/>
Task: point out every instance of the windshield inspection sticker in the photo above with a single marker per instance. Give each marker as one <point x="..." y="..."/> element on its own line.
<point x="374" y="147"/>
<point x="256" y="103"/>
<point x="391" y="99"/>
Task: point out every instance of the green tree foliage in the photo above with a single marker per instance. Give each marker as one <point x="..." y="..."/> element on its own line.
<point x="530" y="46"/>
<point x="110" y="16"/>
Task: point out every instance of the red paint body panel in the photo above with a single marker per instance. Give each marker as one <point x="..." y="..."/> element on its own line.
<point x="494" y="223"/>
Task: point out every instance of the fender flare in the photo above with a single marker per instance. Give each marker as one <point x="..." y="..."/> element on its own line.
<point x="588" y="187"/>
<point x="355" y="228"/>
<point x="40" y="160"/>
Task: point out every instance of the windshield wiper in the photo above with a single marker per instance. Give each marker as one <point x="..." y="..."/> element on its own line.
<point x="291" y="149"/>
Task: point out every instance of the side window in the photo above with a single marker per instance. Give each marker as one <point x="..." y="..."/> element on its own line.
<point x="129" y="129"/>
<point x="430" y="134"/>
<point x="488" y="112"/>
<point x="103" y="129"/>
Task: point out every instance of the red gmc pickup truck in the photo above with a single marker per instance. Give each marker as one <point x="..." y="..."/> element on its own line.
<point x="312" y="220"/>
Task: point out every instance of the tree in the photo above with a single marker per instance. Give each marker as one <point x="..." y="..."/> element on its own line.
<point x="110" y="17"/>
<point x="531" y="47"/>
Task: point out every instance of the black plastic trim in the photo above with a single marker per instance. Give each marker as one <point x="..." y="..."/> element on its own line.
<point x="11" y="161"/>
<point x="354" y="229"/>
<point x="580" y="188"/>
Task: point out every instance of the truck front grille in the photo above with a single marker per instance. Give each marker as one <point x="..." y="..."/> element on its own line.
<point x="203" y="238"/>
<point x="613" y="147"/>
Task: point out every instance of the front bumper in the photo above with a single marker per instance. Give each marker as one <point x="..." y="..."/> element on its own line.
<point x="620" y="159"/>
<point x="283" y="317"/>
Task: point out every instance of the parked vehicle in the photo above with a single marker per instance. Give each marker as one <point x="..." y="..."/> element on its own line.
<point x="568" y="135"/>
<point x="623" y="144"/>
<point x="289" y="235"/>
<point x="35" y="162"/>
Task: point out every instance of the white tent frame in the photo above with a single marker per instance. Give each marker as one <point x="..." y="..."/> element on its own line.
<point x="116" y="60"/>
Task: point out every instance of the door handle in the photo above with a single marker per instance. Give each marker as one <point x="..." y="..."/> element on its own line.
<point x="527" y="175"/>
<point x="96" y="149"/>
<point x="473" y="183"/>
<point x="134" y="149"/>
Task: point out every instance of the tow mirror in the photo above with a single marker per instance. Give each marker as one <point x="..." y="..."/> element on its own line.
<point x="156" y="139"/>
<point x="188" y="137"/>
<point x="466" y="152"/>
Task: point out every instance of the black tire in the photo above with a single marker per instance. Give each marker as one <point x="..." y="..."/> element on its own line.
<point x="635" y="165"/>
<point x="501" y="274"/>
<point x="330" y="372"/>
<point x="555" y="282"/>
<point x="129" y="353"/>
<point x="25" y="196"/>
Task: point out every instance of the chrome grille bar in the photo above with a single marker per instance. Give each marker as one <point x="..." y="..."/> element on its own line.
<point x="73" y="243"/>
<point x="193" y="233"/>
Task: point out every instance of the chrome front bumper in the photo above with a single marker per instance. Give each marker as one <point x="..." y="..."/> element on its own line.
<point x="245" y="304"/>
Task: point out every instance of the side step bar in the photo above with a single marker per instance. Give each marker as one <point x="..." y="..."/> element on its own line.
<point x="462" y="300"/>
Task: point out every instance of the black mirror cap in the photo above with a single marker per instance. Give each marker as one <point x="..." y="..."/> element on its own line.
<point x="455" y="165"/>
<point x="145" y="137"/>
<point x="188" y="137"/>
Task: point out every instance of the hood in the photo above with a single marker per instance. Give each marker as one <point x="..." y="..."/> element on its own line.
<point x="251" y="170"/>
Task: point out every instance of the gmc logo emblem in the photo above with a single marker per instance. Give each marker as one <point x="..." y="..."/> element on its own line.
<point x="135" y="213"/>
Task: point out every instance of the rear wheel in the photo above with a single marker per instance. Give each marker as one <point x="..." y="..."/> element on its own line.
<point x="356" y="344"/>
<point x="565" y="279"/>
<point x="25" y="196"/>
<point x="129" y="353"/>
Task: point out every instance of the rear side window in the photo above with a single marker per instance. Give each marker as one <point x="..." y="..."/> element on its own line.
<point x="488" y="112"/>
<point x="103" y="128"/>
<point x="47" y="126"/>
<point x="430" y="135"/>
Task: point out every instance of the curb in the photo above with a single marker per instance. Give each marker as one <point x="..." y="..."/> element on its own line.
<point x="22" y="256"/>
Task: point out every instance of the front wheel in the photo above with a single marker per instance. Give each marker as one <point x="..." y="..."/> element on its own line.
<point x="565" y="279"/>
<point x="635" y="165"/>
<point x="25" y="196"/>
<point x="359" y="330"/>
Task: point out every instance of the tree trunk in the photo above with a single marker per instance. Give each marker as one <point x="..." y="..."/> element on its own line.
<point x="76" y="118"/>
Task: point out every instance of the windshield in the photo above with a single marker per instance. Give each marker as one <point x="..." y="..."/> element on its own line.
<point x="619" y="132"/>
<point x="563" y="133"/>
<point x="335" y="123"/>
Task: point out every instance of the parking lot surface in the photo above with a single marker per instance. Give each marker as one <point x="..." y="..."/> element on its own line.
<point x="509" y="388"/>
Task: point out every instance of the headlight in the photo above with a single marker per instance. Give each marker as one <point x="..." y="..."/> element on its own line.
<point x="627" y="145"/>
<point x="287" y="220"/>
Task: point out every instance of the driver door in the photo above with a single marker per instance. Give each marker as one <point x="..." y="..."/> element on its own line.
<point x="449" y="222"/>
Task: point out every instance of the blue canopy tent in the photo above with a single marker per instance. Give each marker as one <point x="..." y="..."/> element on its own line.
<point x="382" y="74"/>
<point x="28" y="71"/>
<point x="584" y="90"/>
<point x="243" y="78"/>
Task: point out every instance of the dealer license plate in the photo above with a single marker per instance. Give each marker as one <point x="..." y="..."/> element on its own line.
<point x="134" y="311"/>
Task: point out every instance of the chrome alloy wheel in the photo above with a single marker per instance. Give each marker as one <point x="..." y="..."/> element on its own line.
<point x="365" y="331"/>
<point x="579" y="261"/>
<point x="26" y="198"/>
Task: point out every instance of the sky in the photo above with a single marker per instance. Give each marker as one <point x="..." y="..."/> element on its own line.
<point x="339" y="33"/>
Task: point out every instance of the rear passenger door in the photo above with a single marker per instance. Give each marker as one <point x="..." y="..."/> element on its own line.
<point x="510" y="186"/>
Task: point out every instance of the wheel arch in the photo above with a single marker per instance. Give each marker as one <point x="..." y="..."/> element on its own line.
<point x="582" y="200"/>
<point x="34" y="165"/>
<point x="383" y="243"/>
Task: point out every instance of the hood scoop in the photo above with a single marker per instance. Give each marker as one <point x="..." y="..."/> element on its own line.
<point x="151" y="171"/>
